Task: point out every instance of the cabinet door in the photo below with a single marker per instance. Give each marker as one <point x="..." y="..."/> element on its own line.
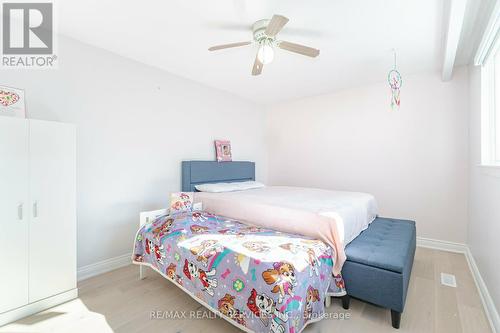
<point x="13" y="215"/>
<point x="52" y="236"/>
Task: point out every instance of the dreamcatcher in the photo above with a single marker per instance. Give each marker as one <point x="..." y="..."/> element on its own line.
<point x="395" y="81"/>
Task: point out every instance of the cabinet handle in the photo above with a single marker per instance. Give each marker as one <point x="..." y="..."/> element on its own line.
<point x="35" y="209"/>
<point x="20" y="212"/>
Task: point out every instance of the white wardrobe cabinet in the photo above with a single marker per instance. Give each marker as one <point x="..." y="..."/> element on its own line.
<point x="37" y="216"/>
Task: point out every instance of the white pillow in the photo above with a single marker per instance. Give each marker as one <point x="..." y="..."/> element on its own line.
<point x="228" y="187"/>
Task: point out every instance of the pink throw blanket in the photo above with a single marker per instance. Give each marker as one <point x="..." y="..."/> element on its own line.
<point x="281" y="219"/>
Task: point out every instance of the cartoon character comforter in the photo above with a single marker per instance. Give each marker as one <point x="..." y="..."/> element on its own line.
<point x="261" y="280"/>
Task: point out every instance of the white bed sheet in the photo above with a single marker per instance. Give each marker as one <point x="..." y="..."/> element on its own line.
<point x="354" y="211"/>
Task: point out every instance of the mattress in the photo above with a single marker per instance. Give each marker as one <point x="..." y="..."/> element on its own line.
<point x="355" y="210"/>
<point x="258" y="279"/>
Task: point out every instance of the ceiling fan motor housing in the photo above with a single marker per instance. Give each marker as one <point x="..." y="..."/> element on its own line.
<point x="259" y="34"/>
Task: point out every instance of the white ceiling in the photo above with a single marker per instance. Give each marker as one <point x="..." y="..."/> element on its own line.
<point x="355" y="38"/>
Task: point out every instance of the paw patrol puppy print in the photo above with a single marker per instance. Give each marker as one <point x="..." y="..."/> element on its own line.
<point x="283" y="275"/>
<point x="198" y="229"/>
<point x="148" y="246"/>
<point x="226" y="307"/>
<point x="181" y="201"/>
<point x="339" y="281"/>
<point x="264" y="307"/>
<point x="257" y="246"/>
<point x="192" y="272"/>
<point x="314" y="263"/>
<point x="159" y="253"/>
<point x="206" y="250"/>
<point x="198" y="216"/>
<point x="312" y="296"/>
<point x="171" y="274"/>
<point x="163" y="229"/>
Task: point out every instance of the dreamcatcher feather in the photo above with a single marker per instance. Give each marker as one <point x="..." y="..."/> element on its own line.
<point x="395" y="82"/>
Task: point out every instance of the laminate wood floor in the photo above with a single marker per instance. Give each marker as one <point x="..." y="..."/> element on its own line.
<point x="118" y="302"/>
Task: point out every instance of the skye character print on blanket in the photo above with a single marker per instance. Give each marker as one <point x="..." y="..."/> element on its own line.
<point x="264" y="307"/>
<point x="283" y="275"/>
<point x="312" y="296"/>
<point x="192" y="272"/>
<point x="172" y="273"/>
<point x="163" y="229"/>
<point x="226" y="307"/>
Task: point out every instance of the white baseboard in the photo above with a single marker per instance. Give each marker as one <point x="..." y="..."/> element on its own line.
<point x="488" y="304"/>
<point x="103" y="266"/>
<point x="441" y="245"/>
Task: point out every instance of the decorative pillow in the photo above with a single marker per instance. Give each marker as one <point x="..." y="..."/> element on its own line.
<point x="228" y="187"/>
<point x="181" y="201"/>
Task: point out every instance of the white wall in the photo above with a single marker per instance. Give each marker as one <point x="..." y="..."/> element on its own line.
<point x="484" y="202"/>
<point x="415" y="161"/>
<point x="135" y="125"/>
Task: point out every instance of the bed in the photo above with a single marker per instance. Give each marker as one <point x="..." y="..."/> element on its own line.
<point x="259" y="279"/>
<point x="274" y="279"/>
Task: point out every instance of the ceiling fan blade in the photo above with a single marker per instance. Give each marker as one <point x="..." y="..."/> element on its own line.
<point x="226" y="46"/>
<point x="257" y="66"/>
<point x="275" y="25"/>
<point x="300" y="49"/>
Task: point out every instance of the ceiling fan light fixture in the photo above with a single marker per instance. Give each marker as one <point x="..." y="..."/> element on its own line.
<point x="264" y="35"/>
<point x="265" y="53"/>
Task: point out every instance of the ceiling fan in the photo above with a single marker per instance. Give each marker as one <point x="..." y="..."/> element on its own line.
<point x="264" y="34"/>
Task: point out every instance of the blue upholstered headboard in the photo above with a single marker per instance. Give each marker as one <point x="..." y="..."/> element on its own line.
<point x="203" y="172"/>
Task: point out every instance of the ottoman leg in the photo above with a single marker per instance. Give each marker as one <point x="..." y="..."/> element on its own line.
<point x="396" y="318"/>
<point x="345" y="302"/>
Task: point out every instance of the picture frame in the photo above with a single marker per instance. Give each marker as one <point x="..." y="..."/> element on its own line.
<point x="12" y="102"/>
<point x="223" y="151"/>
